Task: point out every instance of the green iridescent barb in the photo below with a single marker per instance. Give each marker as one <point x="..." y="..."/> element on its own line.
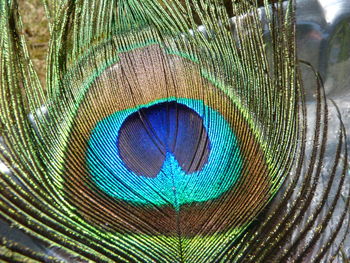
<point x="153" y="141"/>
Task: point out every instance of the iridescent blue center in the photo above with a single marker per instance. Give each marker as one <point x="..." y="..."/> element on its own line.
<point x="148" y="135"/>
<point x="164" y="153"/>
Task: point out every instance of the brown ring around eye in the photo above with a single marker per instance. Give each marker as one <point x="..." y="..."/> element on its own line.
<point x="141" y="76"/>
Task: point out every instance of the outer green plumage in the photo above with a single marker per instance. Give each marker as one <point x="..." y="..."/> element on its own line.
<point x="154" y="142"/>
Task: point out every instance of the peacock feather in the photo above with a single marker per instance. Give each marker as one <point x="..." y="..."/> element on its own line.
<point x="155" y="141"/>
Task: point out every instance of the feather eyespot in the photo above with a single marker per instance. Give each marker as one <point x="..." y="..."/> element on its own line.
<point x="157" y="142"/>
<point x="165" y="154"/>
<point x="179" y="149"/>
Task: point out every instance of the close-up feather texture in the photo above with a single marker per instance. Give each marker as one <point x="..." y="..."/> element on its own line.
<point x="176" y="131"/>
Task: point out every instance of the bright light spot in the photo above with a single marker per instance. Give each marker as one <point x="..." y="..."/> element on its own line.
<point x="4" y="168"/>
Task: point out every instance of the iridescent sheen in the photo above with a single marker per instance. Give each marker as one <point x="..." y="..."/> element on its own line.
<point x="172" y="185"/>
